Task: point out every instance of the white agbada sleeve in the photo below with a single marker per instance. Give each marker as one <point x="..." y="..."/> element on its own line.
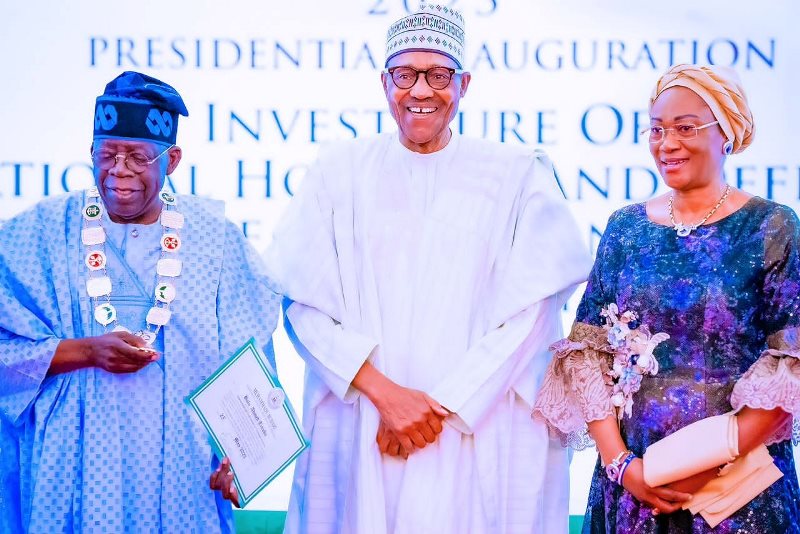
<point x="305" y="260"/>
<point x="490" y="368"/>
<point x="334" y="353"/>
<point x="546" y="262"/>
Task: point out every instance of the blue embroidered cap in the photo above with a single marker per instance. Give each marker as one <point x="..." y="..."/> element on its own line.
<point x="138" y="107"/>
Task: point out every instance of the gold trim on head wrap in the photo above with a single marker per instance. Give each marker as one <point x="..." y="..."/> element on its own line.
<point x="721" y="89"/>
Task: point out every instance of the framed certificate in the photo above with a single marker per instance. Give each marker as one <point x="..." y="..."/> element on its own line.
<point x="249" y="419"/>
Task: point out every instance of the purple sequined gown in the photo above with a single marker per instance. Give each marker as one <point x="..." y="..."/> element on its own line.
<point x="718" y="293"/>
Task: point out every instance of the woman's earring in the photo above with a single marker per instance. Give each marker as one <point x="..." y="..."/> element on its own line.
<point x="727" y="148"/>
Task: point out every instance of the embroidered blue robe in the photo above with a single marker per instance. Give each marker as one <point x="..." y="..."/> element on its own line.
<point x="93" y="451"/>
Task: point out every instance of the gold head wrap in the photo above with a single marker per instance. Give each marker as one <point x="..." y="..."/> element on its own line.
<point x="721" y="89"/>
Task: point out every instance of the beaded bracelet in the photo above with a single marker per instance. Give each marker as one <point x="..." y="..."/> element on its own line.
<point x="622" y="468"/>
<point x="616" y="468"/>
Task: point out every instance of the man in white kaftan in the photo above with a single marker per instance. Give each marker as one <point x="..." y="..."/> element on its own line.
<point x="422" y="267"/>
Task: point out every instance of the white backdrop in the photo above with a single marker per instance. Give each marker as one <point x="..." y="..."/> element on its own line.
<point x="267" y="82"/>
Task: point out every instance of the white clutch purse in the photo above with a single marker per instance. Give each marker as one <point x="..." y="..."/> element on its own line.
<point x="707" y="443"/>
<point x="703" y="445"/>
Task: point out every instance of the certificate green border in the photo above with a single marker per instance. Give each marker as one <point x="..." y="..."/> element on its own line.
<point x="248" y="348"/>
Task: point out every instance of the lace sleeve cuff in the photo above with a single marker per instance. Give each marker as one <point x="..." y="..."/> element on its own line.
<point x="773" y="381"/>
<point x="576" y="387"/>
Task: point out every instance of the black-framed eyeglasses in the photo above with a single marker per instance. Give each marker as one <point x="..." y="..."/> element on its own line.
<point x="656" y="134"/>
<point x="134" y="161"/>
<point x="436" y="77"/>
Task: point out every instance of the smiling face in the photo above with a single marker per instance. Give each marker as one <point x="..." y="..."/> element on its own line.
<point x="686" y="164"/>
<point x="132" y="197"/>
<point x="423" y="114"/>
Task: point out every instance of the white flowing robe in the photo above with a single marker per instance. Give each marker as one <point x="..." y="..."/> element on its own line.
<point x="447" y="271"/>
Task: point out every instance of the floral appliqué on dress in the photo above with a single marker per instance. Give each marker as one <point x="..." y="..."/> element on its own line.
<point x="632" y="348"/>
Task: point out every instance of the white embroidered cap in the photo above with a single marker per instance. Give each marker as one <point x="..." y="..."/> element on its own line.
<point x="432" y="28"/>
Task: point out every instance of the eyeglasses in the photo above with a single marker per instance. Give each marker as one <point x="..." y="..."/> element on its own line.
<point x="437" y="77"/>
<point x="681" y="131"/>
<point x="135" y="161"/>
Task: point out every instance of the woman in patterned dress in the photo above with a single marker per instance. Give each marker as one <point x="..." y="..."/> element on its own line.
<point x="716" y="269"/>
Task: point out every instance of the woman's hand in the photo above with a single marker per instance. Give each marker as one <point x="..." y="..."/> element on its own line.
<point x="695" y="482"/>
<point x="222" y="480"/>
<point x="662" y="499"/>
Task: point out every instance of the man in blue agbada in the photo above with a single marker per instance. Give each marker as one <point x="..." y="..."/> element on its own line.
<point x="115" y="303"/>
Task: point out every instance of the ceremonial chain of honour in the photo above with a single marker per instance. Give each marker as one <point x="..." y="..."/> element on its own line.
<point x="98" y="283"/>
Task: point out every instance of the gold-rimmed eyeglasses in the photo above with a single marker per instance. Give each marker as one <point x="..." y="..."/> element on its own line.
<point x="134" y="161"/>
<point x="684" y="132"/>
